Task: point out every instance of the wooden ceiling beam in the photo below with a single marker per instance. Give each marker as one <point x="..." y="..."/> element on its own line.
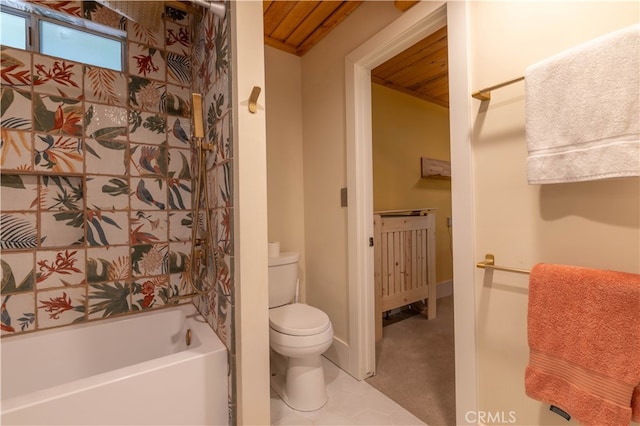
<point x="313" y="21"/>
<point x="344" y="10"/>
<point x="294" y="18"/>
<point x="421" y="52"/>
<point x="275" y="14"/>
<point x="410" y="92"/>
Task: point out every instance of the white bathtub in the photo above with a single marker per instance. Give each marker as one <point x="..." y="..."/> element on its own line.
<point x="134" y="370"/>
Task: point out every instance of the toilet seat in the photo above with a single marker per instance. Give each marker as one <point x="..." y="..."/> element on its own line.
<point x="298" y="319"/>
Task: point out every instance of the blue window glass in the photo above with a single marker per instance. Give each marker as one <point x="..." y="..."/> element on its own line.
<point x="80" y="46"/>
<point x="13" y="31"/>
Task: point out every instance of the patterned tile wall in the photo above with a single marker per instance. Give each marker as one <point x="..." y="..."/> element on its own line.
<point x="97" y="177"/>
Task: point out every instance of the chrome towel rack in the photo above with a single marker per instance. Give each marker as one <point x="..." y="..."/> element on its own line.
<point x="489" y="263"/>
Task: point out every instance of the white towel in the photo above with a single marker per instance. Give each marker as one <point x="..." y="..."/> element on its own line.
<point x="583" y="111"/>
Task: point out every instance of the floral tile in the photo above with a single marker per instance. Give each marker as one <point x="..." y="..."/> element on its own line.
<point x="148" y="293"/>
<point x="57" y="154"/>
<point x="62" y="229"/>
<point x="16" y="150"/>
<point x="146" y="94"/>
<point x="224" y="230"/>
<point x="224" y="316"/>
<point x="178" y="69"/>
<point x="57" y="76"/>
<point x="108" y="264"/>
<point x="141" y="34"/>
<point x="150" y="128"/>
<point x="18" y="192"/>
<point x="178" y="39"/>
<point x="61" y="193"/>
<point x="106" y="122"/>
<point x="173" y="14"/>
<point x="149" y="194"/>
<point x="17" y="272"/>
<point x="16" y="67"/>
<point x="18" y="231"/>
<point x="18" y="313"/>
<point x="107" y="193"/>
<point x="179" y="284"/>
<point x="149" y="260"/>
<point x="178" y="100"/>
<point x="218" y="64"/>
<point x="224" y="277"/>
<point x="180" y="225"/>
<point x="16" y="109"/>
<point x="108" y="299"/>
<point x="103" y="85"/>
<point x="179" y="133"/>
<point x="69" y="7"/>
<point x="148" y="160"/>
<point x="60" y="268"/>
<point x="179" y="257"/>
<point x="179" y="164"/>
<point x="224" y="179"/>
<point x="61" y="306"/>
<point x="56" y="115"/>
<point x="95" y="12"/>
<point x="106" y="157"/>
<point x="210" y="304"/>
<point x="146" y="62"/>
<point x="179" y="194"/>
<point x="148" y="227"/>
<point x="107" y="228"/>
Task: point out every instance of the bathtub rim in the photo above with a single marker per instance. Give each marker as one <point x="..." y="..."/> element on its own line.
<point x="201" y="348"/>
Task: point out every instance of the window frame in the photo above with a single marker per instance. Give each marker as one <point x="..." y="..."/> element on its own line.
<point x="34" y="15"/>
<point x="27" y="24"/>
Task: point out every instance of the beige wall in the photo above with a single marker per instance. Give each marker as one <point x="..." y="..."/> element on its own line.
<point x="593" y="224"/>
<point x="283" y="98"/>
<point x="405" y="128"/>
<point x="324" y="151"/>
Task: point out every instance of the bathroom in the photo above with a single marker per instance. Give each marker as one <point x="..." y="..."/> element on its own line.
<point x="593" y="223"/>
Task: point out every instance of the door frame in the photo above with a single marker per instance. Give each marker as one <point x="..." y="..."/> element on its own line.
<point x="415" y="24"/>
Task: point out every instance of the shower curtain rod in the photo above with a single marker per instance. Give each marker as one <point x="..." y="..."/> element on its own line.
<point x="485" y="94"/>
<point x="489" y="263"/>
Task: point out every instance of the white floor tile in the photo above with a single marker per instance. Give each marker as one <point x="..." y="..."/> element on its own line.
<point x="351" y="402"/>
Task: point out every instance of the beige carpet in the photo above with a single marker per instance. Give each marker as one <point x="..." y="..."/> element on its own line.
<point x="415" y="365"/>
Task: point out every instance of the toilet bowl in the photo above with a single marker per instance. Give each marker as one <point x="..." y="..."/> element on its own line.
<point x="298" y="334"/>
<point x="301" y="333"/>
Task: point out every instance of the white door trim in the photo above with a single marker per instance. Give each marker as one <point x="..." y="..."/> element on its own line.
<point x="418" y="22"/>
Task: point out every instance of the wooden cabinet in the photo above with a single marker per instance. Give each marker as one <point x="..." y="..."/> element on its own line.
<point x="404" y="256"/>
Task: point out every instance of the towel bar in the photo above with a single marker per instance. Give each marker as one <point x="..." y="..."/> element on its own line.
<point x="485" y="94"/>
<point x="489" y="263"/>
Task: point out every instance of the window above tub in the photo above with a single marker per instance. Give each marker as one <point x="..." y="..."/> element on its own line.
<point x="33" y="27"/>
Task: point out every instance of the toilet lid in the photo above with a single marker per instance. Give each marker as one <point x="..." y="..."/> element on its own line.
<point x="298" y="319"/>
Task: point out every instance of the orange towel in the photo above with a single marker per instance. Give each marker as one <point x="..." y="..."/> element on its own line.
<point x="584" y="341"/>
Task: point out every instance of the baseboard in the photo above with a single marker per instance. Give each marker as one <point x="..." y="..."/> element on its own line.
<point x="444" y="289"/>
<point x="338" y="353"/>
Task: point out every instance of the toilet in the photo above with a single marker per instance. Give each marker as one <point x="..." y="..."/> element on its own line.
<point x="298" y="334"/>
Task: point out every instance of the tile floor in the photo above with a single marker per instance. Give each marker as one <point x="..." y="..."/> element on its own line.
<point x="350" y="403"/>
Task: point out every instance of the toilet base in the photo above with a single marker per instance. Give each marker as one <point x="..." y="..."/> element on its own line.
<point x="299" y="381"/>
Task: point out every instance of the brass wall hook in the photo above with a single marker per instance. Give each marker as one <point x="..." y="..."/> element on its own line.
<point x="253" y="99"/>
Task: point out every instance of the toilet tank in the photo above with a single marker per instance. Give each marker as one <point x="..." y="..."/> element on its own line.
<point x="283" y="277"/>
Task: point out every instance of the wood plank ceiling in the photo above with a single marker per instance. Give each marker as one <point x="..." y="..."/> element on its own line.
<point x="421" y="70"/>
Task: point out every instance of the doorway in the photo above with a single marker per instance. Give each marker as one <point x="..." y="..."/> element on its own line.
<point x="412" y="205"/>
<point x="415" y="24"/>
